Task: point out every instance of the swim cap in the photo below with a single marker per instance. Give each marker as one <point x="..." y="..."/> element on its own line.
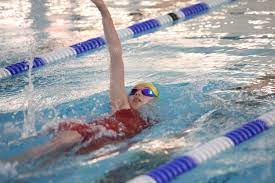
<point x="149" y="85"/>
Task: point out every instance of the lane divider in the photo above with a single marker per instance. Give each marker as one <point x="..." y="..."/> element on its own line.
<point x="169" y="171"/>
<point x="130" y="32"/>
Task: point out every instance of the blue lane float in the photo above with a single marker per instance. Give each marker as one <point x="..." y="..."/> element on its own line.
<point x="130" y="32"/>
<point x="145" y="27"/>
<point x="247" y="131"/>
<point x="88" y="45"/>
<point x="169" y="171"/>
<point x="195" y="10"/>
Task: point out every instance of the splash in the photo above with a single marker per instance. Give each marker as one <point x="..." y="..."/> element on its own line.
<point x="29" y="108"/>
<point x="8" y="169"/>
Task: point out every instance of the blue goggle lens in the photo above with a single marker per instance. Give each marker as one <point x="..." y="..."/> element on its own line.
<point x="145" y="91"/>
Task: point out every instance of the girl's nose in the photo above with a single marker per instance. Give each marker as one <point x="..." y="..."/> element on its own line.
<point x="138" y="93"/>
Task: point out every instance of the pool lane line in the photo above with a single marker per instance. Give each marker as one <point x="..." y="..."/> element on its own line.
<point x="190" y="160"/>
<point x="133" y="31"/>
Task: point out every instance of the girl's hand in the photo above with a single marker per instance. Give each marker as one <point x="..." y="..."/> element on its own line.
<point x="98" y="3"/>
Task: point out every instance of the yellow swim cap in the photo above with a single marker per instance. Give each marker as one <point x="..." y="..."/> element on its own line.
<point x="149" y="85"/>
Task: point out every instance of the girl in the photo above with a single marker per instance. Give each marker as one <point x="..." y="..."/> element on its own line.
<point x="124" y="121"/>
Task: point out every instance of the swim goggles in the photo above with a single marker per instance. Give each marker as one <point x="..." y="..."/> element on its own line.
<point x="145" y="91"/>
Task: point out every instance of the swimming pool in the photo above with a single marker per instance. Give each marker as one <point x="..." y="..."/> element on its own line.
<point x="196" y="64"/>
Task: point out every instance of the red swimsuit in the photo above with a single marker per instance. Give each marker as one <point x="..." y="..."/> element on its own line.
<point x="122" y="124"/>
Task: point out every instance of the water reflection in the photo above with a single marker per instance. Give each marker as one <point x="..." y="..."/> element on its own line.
<point x="60" y="23"/>
<point x="69" y="20"/>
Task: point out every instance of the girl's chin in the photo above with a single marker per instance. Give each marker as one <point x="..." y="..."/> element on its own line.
<point x="135" y="106"/>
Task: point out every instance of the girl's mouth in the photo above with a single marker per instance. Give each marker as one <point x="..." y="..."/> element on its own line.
<point x="136" y="100"/>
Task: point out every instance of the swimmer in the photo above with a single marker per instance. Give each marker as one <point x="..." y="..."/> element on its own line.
<point x="125" y="120"/>
<point x="265" y="84"/>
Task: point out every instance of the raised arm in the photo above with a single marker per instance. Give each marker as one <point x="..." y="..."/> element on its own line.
<point x="118" y="96"/>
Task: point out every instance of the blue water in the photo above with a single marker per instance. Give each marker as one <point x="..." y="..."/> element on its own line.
<point x="195" y="65"/>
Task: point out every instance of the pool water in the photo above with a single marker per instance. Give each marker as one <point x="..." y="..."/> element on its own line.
<point x="199" y="67"/>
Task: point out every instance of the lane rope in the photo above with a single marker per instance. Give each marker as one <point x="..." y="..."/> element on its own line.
<point x="190" y="160"/>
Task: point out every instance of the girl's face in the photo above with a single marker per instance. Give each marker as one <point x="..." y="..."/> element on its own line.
<point x="137" y="98"/>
